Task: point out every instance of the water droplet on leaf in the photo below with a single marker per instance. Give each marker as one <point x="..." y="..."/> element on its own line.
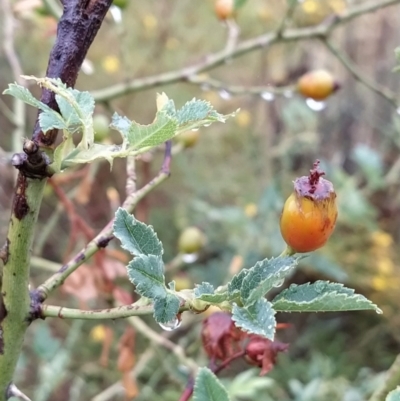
<point x="379" y="311"/>
<point x="207" y="125"/>
<point x="171" y="325"/>
<point x="398" y="110"/>
<point x="225" y="94"/>
<point x="314" y="105"/>
<point x="278" y="283"/>
<point x="268" y="96"/>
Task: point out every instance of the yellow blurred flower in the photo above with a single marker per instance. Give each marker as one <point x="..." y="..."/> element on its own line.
<point x="243" y="118"/>
<point x="250" y="210"/>
<point x="98" y="333"/>
<point x="385" y="265"/>
<point x="310" y="6"/>
<point x="149" y="22"/>
<point x="381" y="239"/>
<point x="111" y="64"/>
<point x="172" y="43"/>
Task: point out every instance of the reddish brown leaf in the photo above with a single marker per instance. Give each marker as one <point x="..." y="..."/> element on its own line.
<point x="220" y="336"/>
<point x="263" y="352"/>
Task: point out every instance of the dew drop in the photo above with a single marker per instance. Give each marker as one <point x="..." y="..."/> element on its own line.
<point x="171" y="325"/>
<point x="190" y="257"/>
<point x="398" y="110"/>
<point x="288" y="93"/>
<point x="278" y="283"/>
<point x="224" y="94"/>
<point x="195" y="129"/>
<point x="269" y="327"/>
<point x="207" y="125"/>
<point x="314" y="105"/>
<point x="379" y="311"/>
<point x="268" y="96"/>
<point x="116" y="13"/>
<point x="286" y="268"/>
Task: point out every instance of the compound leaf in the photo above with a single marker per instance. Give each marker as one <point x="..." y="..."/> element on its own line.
<point x="321" y="296"/>
<point x="136" y="237"/>
<point x="258" y="318"/>
<point x="208" y="388"/>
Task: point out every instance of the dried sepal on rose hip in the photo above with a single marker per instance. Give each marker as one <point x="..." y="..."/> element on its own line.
<point x="309" y="214"/>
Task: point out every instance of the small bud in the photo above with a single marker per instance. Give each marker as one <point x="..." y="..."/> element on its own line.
<point x="30" y="147"/>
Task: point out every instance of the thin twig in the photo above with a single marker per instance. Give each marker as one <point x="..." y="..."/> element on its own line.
<point x="106" y="235"/>
<point x="130" y="187"/>
<point x="156" y="338"/>
<point x="120" y="312"/>
<point x="260" y="42"/>
<point x="359" y="76"/>
<point x="211" y="83"/>
<point x="233" y="35"/>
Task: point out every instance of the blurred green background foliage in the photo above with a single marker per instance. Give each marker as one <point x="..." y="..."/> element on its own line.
<point x="232" y="185"/>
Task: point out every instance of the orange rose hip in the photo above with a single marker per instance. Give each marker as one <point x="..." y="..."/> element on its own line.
<point x="310" y="212"/>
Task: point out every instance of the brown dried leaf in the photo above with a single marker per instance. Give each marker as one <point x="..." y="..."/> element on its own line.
<point x="263" y="352"/>
<point x="220" y="336"/>
<point x="82" y="284"/>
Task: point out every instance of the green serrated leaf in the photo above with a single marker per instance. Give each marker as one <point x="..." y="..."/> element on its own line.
<point x="258" y="318"/>
<point x="203" y="288"/>
<point x="208" y="388"/>
<point x="394" y="395"/>
<point x="196" y="110"/>
<point x="22" y="93"/>
<point x="139" y="136"/>
<point x="51" y="120"/>
<point x="265" y="275"/>
<point x="235" y="285"/>
<point x="147" y="273"/>
<point x="205" y="292"/>
<point x="48" y="119"/>
<point x="321" y="296"/>
<point x="62" y="151"/>
<point x="166" y="308"/>
<point x="85" y="102"/>
<point x="97" y="151"/>
<point x="136" y="237"/>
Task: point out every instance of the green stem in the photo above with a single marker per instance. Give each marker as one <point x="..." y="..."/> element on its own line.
<point x="392" y="380"/>
<point x="288" y="251"/>
<point x="15" y="301"/>
<point x="119" y="312"/>
<point x="98" y="314"/>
